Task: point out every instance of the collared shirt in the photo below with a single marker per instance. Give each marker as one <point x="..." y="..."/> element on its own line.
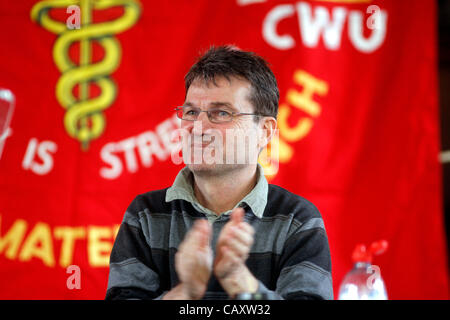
<point x="182" y="189"/>
<point x="290" y="254"/>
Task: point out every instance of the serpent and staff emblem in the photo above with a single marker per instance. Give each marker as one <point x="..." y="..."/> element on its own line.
<point x="84" y="119"/>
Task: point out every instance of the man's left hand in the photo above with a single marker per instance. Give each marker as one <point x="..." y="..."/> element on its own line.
<point x="233" y="247"/>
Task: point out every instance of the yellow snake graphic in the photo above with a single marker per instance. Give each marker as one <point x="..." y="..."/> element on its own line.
<point x="84" y="119"/>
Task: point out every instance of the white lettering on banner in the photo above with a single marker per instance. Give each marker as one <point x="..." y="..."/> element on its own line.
<point x="156" y="143"/>
<point x="44" y="152"/>
<point x="315" y="23"/>
<point x="311" y="28"/>
<point x="282" y="42"/>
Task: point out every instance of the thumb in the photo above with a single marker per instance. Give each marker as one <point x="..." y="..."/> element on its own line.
<point x="204" y="233"/>
<point x="237" y="216"/>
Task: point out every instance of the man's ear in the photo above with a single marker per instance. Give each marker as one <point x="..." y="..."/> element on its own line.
<point x="268" y="126"/>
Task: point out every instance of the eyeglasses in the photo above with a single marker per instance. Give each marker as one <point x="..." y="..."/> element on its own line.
<point x="214" y="115"/>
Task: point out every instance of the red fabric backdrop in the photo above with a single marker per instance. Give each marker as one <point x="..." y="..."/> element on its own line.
<point x="94" y="111"/>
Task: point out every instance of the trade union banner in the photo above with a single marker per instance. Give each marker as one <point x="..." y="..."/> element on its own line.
<point x="87" y="115"/>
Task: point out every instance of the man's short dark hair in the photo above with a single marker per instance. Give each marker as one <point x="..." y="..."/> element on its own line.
<point x="228" y="61"/>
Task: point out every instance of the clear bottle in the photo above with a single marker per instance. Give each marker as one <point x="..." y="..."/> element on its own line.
<point x="364" y="281"/>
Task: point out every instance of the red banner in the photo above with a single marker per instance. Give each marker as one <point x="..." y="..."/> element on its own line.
<point x="95" y="84"/>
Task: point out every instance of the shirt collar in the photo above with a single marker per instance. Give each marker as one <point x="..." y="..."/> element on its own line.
<point x="182" y="189"/>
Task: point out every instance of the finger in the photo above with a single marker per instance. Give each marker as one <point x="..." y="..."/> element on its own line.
<point x="203" y="240"/>
<point x="238" y="248"/>
<point x="225" y="232"/>
<point x="198" y="235"/>
<point x="244" y="236"/>
<point x="203" y="233"/>
<point x="242" y="233"/>
<point x="237" y="215"/>
<point x="247" y="228"/>
<point x="237" y="241"/>
<point x="201" y="224"/>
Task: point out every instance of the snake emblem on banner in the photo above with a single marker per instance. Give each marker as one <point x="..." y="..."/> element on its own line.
<point x="84" y="119"/>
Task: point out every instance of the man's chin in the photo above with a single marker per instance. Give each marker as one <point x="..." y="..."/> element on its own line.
<point x="202" y="167"/>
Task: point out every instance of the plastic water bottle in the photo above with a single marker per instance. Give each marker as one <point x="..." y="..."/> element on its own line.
<point x="364" y="281"/>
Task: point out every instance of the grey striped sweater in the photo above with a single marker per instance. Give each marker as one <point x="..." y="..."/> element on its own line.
<point x="290" y="256"/>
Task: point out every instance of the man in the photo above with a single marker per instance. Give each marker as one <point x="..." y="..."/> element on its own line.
<point x="221" y="229"/>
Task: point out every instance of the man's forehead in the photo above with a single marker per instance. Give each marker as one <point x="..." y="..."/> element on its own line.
<point x="232" y="92"/>
<point x="212" y="104"/>
<point x="220" y="81"/>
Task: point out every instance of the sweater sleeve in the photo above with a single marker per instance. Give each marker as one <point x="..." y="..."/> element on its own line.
<point x="132" y="273"/>
<point x="305" y="265"/>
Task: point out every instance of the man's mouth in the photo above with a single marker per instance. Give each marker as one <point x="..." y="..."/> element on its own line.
<point x="201" y="143"/>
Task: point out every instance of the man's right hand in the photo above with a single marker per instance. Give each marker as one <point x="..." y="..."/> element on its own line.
<point x="193" y="263"/>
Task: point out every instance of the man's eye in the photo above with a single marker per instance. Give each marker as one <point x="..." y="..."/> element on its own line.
<point x="222" y="113"/>
<point x="190" y="112"/>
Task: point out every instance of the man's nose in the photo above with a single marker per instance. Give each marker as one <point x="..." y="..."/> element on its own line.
<point x="201" y="124"/>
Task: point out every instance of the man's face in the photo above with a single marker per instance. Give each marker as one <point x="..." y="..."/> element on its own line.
<point x="218" y="148"/>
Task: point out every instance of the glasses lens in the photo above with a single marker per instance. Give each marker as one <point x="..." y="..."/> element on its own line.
<point x="220" y="115"/>
<point x="188" y="113"/>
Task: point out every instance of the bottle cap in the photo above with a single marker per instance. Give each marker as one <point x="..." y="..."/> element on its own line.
<point x="361" y="254"/>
